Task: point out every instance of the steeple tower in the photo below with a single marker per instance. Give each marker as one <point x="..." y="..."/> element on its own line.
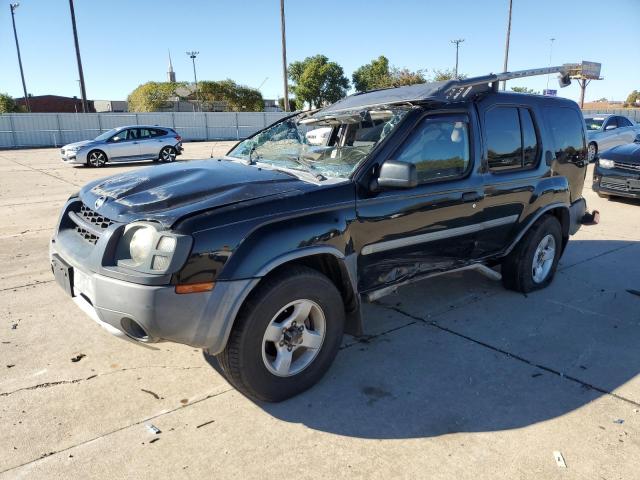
<point x="171" y="75"/>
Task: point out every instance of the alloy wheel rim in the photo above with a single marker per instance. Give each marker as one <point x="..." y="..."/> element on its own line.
<point x="293" y="338"/>
<point x="168" y="155"/>
<point x="543" y="258"/>
<point x="96" y="159"/>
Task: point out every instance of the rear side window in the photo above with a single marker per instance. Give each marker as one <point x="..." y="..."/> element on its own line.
<point x="566" y="129"/>
<point x="512" y="141"/>
<point x="158" y="133"/>
<point x="624" y="122"/>
<point x="439" y="148"/>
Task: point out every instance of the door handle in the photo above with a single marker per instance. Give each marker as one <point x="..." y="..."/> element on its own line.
<point x="472" y="197"/>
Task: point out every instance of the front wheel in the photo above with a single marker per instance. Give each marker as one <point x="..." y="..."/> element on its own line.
<point x="167" y="154"/>
<point x="592" y="151"/>
<point x="96" y="159"/>
<point x="286" y="335"/>
<point x="533" y="262"/>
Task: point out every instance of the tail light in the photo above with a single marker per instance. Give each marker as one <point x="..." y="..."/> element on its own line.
<point x="178" y="138"/>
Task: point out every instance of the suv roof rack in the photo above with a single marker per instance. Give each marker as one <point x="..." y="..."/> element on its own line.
<point x="445" y="91"/>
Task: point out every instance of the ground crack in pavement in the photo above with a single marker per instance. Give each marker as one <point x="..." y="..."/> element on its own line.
<point x="515" y="356"/>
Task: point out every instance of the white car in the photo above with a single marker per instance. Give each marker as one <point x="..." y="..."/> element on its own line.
<point x="318" y="136"/>
<point x="608" y="131"/>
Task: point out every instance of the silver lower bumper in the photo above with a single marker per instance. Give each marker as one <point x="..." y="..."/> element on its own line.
<point x="202" y="320"/>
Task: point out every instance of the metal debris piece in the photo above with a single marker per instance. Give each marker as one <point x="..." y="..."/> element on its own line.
<point x="78" y="357"/>
<point x="619" y="421"/>
<point x="205" y="423"/>
<point x="559" y="459"/>
<point x="153" y="429"/>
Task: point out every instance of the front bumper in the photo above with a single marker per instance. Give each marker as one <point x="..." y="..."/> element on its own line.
<point x="202" y="320"/>
<point x="616" y="182"/>
<point x="74" y="157"/>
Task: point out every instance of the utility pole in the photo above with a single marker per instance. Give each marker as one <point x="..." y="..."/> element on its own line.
<point x="550" y="54"/>
<point x="583" y="82"/>
<point x="13" y="7"/>
<point x="284" y="58"/>
<point x="457" y="42"/>
<point x="506" y="47"/>
<point x="193" y="56"/>
<point x="83" y="90"/>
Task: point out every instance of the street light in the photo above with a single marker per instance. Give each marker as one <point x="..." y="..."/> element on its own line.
<point x="83" y="90"/>
<point x="192" y="56"/>
<point x="457" y="42"/>
<point x="506" y="47"/>
<point x="13" y="7"/>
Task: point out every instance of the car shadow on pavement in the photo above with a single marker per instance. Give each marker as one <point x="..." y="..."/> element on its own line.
<point x="469" y="356"/>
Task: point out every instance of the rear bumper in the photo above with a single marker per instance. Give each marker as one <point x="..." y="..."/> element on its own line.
<point x="201" y="320"/>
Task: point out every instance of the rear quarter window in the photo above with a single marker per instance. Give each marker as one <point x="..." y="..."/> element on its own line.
<point x="565" y="125"/>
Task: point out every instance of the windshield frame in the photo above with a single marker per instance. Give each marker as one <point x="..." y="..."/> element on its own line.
<point x="302" y="115"/>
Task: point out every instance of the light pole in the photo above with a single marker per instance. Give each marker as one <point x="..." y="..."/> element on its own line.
<point x="550" y="56"/>
<point x="83" y="91"/>
<point x="284" y="58"/>
<point x="506" y="47"/>
<point x="13" y="7"/>
<point x="192" y="56"/>
<point x="457" y="42"/>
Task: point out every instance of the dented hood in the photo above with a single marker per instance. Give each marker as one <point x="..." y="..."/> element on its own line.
<point x="168" y="192"/>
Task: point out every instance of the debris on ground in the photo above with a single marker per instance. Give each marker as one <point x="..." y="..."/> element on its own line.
<point x="154" y="394"/>
<point x="634" y="292"/>
<point x="153" y="429"/>
<point x="78" y="357"/>
<point x="619" y="421"/>
<point x="154" y="440"/>
<point x="14" y="326"/>
<point x="559" y="459"/>
<point x="11" y="365"/>
<point x="205" y="423"/>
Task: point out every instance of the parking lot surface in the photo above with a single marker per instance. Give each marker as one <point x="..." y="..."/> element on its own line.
<point x="457" y="378"/>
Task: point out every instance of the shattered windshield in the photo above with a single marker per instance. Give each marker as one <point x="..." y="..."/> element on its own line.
<point x="325" y="146"/>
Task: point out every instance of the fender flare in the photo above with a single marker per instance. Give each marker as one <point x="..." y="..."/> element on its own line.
<point x="533" y="220"/>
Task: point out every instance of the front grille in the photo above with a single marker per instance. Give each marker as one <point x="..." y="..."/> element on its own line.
<point x="88" y="223"/>
<point x="94" y="218"/>
<point x="627" y="166"/>
<point x="620" y="184"/>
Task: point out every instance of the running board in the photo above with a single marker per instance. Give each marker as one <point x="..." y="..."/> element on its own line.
<point x="478" y="267"/>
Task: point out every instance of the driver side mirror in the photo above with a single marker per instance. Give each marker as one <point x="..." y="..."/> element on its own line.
<point x="609" y="127"/>
<point x="395" y="174"/>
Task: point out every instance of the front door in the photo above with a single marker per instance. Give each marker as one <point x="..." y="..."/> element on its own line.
<point x="402" y="233"/>
<point x="123" y="146"/>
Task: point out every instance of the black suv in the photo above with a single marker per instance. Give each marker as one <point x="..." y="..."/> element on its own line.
<point x="263" y="257"/>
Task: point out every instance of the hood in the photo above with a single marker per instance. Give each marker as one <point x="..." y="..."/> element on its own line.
<point x="79" y="144"/>
<point x="168" y="192"/>
<point x="629" y="153"/>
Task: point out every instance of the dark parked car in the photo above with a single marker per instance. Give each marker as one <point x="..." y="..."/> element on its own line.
<point x="263" y="257"/>
<point x="617" y="171"/>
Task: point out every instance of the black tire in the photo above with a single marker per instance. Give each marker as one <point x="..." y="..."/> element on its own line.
<point x="97" y="159"/>
<point x="242" y="359"/>
<point x="167" y="154"/>
<point x="517" y="267"/>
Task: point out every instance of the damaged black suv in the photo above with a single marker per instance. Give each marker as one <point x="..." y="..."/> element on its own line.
<point x="263" y="257"/>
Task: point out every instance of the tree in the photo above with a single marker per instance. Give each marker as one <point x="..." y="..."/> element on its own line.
<point x="525" y="90"/>
<point x="293" y="106"/>
<point x="633" y="99"/>
<point x="8" y="104"/>
<point x="446" y="74"/>
<point x="403" y="76"/>
<point x="317" y="81"/>
<point x="372" y="75"/>
<point x="236" y="98"/>
<point x="152" y="96"/>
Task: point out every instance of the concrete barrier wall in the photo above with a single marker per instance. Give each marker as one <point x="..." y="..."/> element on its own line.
<point x="57" y="129"/>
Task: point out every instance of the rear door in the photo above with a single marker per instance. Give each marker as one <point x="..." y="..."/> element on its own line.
<point x="150" y="143"/>
<point x="402" y="233"/>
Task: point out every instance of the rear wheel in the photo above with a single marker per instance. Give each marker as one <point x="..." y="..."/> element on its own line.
<point x="96" y="158"/>
<point x="533" y="262"/>
<point x="286" y="335"/>
<point x="592" y="152"/>
<point x="167" y="154"/>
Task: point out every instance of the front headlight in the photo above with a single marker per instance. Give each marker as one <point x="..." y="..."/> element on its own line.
<point x="146" y="248"/>
<point x="604" y="163"/>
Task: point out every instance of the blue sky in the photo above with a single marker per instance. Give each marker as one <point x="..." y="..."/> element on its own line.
<point x="124" y="43"/>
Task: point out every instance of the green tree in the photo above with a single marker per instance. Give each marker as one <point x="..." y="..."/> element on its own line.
<point x="317" y="81"/>
<point x="372" y="75"/>
<point x="8" y="104"/>
<point x="292" y="104"/>
<point x="403" y="76"/>
<point x="236" y="98"/>
<point x="152" y="96"/>
<point x="446" y="74"/>
<point x="525" y="90"/>
<point x="633" y="99"/>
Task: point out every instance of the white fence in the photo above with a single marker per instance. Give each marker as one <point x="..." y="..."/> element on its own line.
<point x="632" y="113"/>
<point x="56" y="129"/>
